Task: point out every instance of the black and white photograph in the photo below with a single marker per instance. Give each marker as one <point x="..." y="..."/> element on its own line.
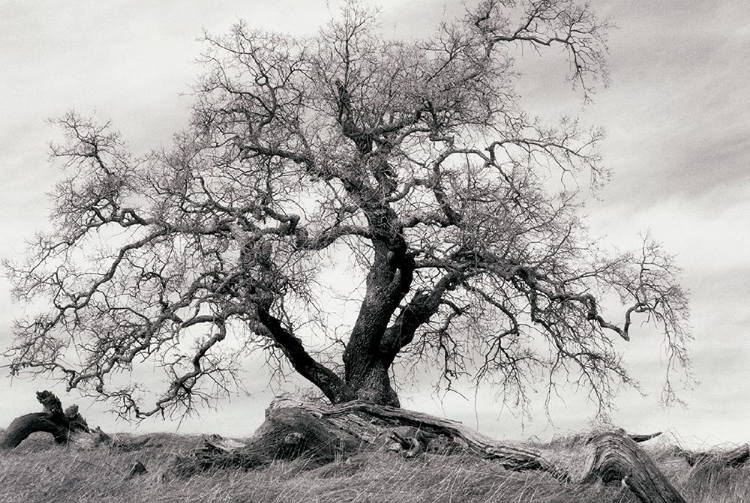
<point x="273" y="251"/>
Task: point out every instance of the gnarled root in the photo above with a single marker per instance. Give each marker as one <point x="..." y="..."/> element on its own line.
<point x="320" y="434"/>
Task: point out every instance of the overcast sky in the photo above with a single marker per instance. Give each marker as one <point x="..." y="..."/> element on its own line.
<point x="677" y="116"/>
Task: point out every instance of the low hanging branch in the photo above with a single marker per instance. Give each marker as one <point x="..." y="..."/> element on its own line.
<point x="321" y="434"/>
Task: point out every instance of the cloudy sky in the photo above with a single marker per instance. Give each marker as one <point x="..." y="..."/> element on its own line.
<point x="677" y="116"/>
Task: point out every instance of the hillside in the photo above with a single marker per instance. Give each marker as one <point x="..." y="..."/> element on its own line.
<point x="41" y="471"/>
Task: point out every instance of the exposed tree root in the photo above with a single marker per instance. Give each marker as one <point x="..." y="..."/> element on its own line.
<point x="321" y="434"/>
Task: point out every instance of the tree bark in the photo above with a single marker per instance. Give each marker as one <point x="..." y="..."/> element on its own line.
<point x="388" y="281"/>
<point x="615" y="457"/>
<point x="322" y="434"/>
<point x="53" y="420"/>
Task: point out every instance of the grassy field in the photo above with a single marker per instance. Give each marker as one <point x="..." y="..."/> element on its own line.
<point x="40" y="471"/>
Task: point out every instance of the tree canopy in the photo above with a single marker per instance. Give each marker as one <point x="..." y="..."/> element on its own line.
<point x="409" y="164"/>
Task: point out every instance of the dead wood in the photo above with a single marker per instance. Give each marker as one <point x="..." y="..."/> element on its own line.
<point x="66" y="427"/>
<point x="62" y="425"/>
<point x="613" y="457"/>
<point x="319" y="434"/>
<point x="643" y="438"/>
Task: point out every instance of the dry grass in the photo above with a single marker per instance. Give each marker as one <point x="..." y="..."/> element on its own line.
<point x="708" y="483"/>
<point x="40" y="471"/>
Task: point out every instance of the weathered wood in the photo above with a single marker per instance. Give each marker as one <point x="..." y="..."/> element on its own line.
<point x="220" y="443"/>
<point x="320" y="434"/>
<point x="66" y="427"/>
<point x="53" y="420"/>
<point x="616" y="457"/>
<point x="515" y="456"/>
<point x="25" y="425"/>
<point x="643" y="438"/>
<point x="286" y="434"/>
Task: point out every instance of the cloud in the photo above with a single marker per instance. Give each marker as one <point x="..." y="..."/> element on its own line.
<point x="678" y="125"/>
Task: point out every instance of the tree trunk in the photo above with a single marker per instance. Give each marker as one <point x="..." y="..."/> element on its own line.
<point x="375" y="386"/>
<point x="321" y="434"/>
<point x="60" y="424"/>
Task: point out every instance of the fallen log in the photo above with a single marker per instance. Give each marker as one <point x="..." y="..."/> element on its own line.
<point x="66" y="427"/>
<point x="319" y="434"/>
<point x="613" y="457"/>
<point x="62" y="425"/>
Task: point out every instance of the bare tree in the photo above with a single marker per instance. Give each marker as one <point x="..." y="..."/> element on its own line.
<point x="410" y="162"/>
